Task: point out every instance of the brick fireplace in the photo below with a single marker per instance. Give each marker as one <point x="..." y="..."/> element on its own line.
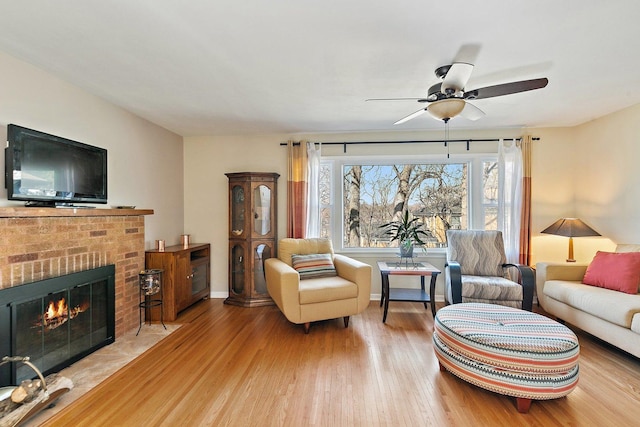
<point x="39" y="243"/>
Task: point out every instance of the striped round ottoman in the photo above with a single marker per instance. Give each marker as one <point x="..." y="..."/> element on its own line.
<point x="506" y="350"/>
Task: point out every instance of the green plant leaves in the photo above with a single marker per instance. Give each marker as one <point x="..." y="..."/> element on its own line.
<point x="405" y="229"/>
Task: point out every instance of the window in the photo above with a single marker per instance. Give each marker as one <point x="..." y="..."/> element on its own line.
<point x="359" y="195"/>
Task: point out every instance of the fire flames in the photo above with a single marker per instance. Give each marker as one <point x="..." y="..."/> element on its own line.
<point x="59" y="312"/>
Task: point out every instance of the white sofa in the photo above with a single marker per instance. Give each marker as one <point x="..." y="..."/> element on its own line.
<point x="610" y="315"/>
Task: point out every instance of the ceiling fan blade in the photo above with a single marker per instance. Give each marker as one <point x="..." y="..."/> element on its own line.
<point x="411" y="116"/>
<point x="506" y="89"/>
<point x="467" y="53"/>
<point x="396" y="99"/>
<point x="456" y="78"/>
<point x="471" y="112"/>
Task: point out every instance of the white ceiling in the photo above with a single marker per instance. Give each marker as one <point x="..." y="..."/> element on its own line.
<point x="207" y="67"/>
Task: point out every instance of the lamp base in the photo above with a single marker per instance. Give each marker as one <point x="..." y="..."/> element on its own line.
<point x="570" y="259"/>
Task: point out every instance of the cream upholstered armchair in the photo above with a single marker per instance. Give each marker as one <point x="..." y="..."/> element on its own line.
<point x="308" y="282"/>
<point x="476" y="271"/>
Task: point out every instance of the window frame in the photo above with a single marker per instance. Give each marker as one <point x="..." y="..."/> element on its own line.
<point x="475" y="202"/>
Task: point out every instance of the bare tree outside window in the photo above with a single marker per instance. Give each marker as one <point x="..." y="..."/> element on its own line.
<point x="326" y="197"/>
<point x="377" y="194"/>
<point x="490" y="194"/>
<point x="352" y="183"/>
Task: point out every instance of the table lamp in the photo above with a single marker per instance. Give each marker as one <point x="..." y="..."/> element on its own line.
<point x="570" y="227"/>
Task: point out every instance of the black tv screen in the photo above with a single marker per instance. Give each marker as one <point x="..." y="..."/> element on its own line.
<point x="48" y="170"/>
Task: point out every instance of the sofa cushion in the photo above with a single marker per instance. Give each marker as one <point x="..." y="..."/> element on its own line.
<point x="615" y="271"/>
<point x="627" y="247"/>
<point x="326" y="289"/>
<point x="615" y="307"/>
<point x="313" y="265"/>
<point x="635" y="323"/>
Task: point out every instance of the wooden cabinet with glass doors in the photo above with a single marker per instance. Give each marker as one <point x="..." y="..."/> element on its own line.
<point x="252" y="235"/>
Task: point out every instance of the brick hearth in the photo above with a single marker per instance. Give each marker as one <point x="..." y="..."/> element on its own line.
<point x="38" y="243"/>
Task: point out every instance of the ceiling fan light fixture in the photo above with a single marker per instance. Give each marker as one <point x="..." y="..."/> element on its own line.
<point x="446" y="108"/>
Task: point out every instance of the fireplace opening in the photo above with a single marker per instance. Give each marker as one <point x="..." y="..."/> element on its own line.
<point x="56" y="321"/>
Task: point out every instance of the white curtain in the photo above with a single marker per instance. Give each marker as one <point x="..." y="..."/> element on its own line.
<point x="510" y="200"/>
<point x="313" y="195"/>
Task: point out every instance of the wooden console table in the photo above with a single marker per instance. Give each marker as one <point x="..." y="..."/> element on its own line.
<point x="185" y="278"/>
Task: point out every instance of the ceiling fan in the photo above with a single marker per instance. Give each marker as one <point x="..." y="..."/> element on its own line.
<point x="450" y="98"/>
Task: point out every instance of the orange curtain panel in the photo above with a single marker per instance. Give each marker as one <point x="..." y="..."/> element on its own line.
<point x="297" y="163"/>
<point x="525" y="219"/>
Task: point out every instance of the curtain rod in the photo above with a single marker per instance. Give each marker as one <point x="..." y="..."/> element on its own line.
<point x="422" y="141"/>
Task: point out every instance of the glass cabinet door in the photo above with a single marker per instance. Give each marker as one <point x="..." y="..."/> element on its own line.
<point x="261" y="252"/>
<point x="262" y="210"/>
<point x="199" y="278"/>
<point x="237" y="210"/>
<point x="237" y="269"/>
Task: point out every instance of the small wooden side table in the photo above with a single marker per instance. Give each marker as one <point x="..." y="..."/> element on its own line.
<point x="421" y="269"/>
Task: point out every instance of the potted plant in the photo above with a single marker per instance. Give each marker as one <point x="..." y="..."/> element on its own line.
<point x="407" y="232"/>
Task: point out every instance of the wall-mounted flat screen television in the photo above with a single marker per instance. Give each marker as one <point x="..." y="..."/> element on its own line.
<point x="47" y="170"/>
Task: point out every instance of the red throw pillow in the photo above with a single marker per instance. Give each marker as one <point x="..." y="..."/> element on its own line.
<point x="616" y="271"/>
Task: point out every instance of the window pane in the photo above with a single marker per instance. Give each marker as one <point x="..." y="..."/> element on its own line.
<point x="377" y="194"/>
<point x="490" y="192"/>
<point x="325" y="184"/>
<point x="491" y="218"/>
<point x="490" y="182"/>
<point x="325" y="199"/>
<point x="325" y="223"/>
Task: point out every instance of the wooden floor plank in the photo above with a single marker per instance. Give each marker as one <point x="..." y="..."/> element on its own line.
<point x="238" y="366"/>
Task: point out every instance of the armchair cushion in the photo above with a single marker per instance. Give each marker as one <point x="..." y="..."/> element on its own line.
<point x="290" y="246"/>
<point x="326" y="289"/>
<point x="490" y="288"/>
<point x="479" y="252"/>
<point x="313" y="265"/>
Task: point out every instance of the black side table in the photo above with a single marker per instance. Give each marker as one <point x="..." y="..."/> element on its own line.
<point x="421" y="269"/>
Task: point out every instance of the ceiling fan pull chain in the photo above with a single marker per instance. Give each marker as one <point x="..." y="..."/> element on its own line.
<point x="446" y="136"/>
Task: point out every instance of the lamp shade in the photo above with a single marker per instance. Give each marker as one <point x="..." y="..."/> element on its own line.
<point x="446" y="108"/>
<point x="570" y="227"/>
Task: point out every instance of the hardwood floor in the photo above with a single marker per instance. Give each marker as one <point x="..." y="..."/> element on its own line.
<point x="237" y="366"/>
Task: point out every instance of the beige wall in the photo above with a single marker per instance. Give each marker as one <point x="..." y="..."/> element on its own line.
<point x="144" y="161"/>
<point x="578" y="171"/>
<point x="588" y="171"/>
<point x="607" y="175"/>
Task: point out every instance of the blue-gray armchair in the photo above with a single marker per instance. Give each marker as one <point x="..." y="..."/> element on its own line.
<point x="476" y="271"/>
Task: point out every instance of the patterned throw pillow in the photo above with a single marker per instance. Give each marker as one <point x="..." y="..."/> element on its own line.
<point x="313" y="265"/>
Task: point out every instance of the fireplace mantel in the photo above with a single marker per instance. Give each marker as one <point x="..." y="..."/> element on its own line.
<point x="23" y="212"/>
